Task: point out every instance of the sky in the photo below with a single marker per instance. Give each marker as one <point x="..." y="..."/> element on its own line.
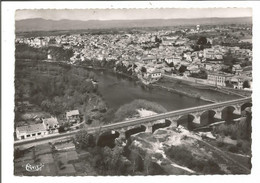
<point x="131" y="14"/>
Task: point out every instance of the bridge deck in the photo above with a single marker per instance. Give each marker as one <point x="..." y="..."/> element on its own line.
<point x="142" y="120"/>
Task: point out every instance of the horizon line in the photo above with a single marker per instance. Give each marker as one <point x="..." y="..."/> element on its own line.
<point x="133" y="19"/>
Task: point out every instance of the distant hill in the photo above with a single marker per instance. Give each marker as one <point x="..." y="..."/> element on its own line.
<point x="39" y="24"/>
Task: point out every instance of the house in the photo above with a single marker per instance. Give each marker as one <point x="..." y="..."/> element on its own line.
<point x="241" y="82"/>
<point x="237" y="83"/>
<point x="188" y="56"/>
<point x="194" y="70"/>
<point x="51" y="124"/>
<point x="218" y="78"/>
<point x="152" y="75"/>
<point x="49" y="57"/>
<point x="73" y="116"/>
<point x="30" y="131"/>
<point x="209" y="53"/>
<point x="149" y="59"/>
<point x="237" y="69"/>
<point x="169" y="60"/>
<point x="173" y="60"/>
<point x="219" y="57"/>
<point x="167" y="41"/>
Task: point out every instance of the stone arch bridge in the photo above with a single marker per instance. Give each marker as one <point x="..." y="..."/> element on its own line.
<point x="190" y="117"/>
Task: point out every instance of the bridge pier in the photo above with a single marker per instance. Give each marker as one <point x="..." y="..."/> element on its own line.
<point x="218" y="115"/>
<point x="237" y="112"/>
<point x="121" y="135"/>
<point x="149" y="128"/>
<point x="196" y="120"/>
<point x="174" y="123"/>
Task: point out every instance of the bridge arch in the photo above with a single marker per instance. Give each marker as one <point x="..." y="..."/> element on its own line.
<point x="186" y="121"/>
<point x="108" y="138"/>
<point x="227" y="113"/>
<point x="134" y="130"/>
<point x="166" y="123"/>
<point x="245" y="105"/>
<point x="207" y="117"/>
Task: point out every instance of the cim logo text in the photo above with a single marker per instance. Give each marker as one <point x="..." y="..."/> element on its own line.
<point x="34" y="168"/>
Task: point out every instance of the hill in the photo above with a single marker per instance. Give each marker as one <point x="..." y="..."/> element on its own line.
<point x="38" y="24"/>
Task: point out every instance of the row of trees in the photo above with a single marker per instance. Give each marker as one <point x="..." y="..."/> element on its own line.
<point x="60" y="54"/>
<point x="23" y="51"/>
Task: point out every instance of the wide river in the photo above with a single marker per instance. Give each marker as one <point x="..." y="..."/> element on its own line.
<point x="118" y="90"/>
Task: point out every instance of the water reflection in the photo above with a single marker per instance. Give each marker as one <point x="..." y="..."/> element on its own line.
<point x="118" y="90"/>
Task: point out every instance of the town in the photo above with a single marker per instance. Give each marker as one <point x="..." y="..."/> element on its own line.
<point x="59" y="94"/>
<point x="224" y="58"/>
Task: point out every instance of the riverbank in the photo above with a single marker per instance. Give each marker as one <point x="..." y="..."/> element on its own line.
<point x="177" y="88"/>
<point x="206" y="94"/>
<point x="181" y="92"/>
<point x="167" y="84"/>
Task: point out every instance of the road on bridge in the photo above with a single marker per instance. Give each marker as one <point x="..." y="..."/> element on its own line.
<point x="138" y="121"/>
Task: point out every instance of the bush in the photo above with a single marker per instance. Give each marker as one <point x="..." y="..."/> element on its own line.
<point x="129" y="110"/>
<point x="220" y="144"/>
<point x="84" y="139"/>
<point x="233" y="149"/>
<point x="184" y="157"/>
<point x="239" y="144"/>
<point x="237" y="131"/>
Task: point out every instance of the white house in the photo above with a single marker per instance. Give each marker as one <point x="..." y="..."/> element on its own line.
<point x="153" y="74"/>
<point x="31" y="131"/>
<point x="51" y="124"/>
<point x="218" y="79"/>
<point x="73" y="116"/>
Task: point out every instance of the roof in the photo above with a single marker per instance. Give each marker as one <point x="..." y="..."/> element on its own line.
<point x="152" y="70"/>
<point x="62" y="146"/>
<point x="237" y="66"/>
<point x="72" y="113"/>
<point x="31" y="128"/>
<point x="248" y="68"/>
<point x="149" y="58"/>
<point x="50" y="121"/>
<point x="220" y="74"/>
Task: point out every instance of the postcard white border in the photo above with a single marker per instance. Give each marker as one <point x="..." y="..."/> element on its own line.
<point x="8" y="12"/>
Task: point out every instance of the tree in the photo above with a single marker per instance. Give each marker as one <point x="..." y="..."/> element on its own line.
<point x="202" y="41"/>
<point x="18" y="153"/>
<point x="182" y="69"/>
<point x="143" y="70"/>
<point x="112" y="158"/>
<point x="84" y="139"/>
<point x="246" y="84"/>
<point x="137" y="162"/>
<point x="147" y="164"/>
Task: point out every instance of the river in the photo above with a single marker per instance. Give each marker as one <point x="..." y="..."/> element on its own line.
<point x="118" y="90"/>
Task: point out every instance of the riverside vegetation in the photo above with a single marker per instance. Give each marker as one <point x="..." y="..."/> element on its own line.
<point x="55" y="89"/>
